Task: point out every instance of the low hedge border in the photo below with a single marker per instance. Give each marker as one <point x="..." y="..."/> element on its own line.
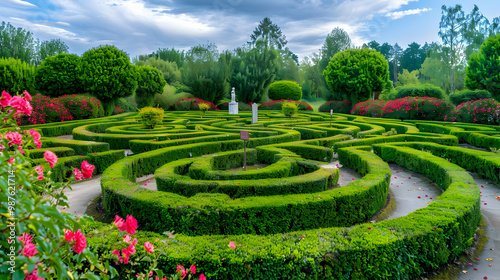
<point x="218" y="214"/>
<point x="80" y="147"/>
<point x="366" y="129"/>
<point x="59" y="151"/>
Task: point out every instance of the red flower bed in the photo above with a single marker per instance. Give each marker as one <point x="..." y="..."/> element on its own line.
<point x="343" y="107"/>
<point x="484" y="111"/>
<point x="276" y="105"/>
<point x="370" y="108"/>
<point x="417" y="108"/>
<point x="47" y="110"/>
<point x="118" y="110"/>
<point x="190" y="104"/>
<point x="82" y="107"/>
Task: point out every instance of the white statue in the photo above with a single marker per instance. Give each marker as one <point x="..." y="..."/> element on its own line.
<point x="233" y="105"/>
<point x="233" y="95"/>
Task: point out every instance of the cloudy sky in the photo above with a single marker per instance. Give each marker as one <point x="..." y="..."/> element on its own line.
<point x="143" y="26"/>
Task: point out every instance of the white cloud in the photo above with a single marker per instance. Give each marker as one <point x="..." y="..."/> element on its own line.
<point x="19" y="3"/>
<point x="400" y="14"/>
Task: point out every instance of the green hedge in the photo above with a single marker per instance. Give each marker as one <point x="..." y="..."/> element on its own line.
<point x="59" y="151"/>
<point x="80" y="147"/>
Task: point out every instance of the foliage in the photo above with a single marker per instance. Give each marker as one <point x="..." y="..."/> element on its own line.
<point x="412" y="58"/>
<point x="127" y="104"/>
<point x="417" y="108"/>
<point x="16" y="75"/>
<point x="357" y="73"/>
<point x="51" y="48"/>
<point x="343" y="107"/>
<point x="483" y="69"/>
<point x="150" y="82"/>
<point x="170" y="71"/>
<point x="459" y="97"/>
<point x="369" y="108"/>
<point x="206" y="72"/>
<point x="252" y="71"/>
<point x="59" y="75"/>
<point x="269" y="33"/>
<point x="241" y="106"/>
<point x="407" y="78"/>
<point x="285" y="90"/>
<point x="277" y="104"/>
<point x="82" y="106"/>
<point x="171" y="55"/>
<point x="47" y="110"/>
<point x="289" y="109"/>
<point x="17" y="43"/>
<point x="108" y="74"/>
<point x="421" y="90"/>
<point x="485" y="111"/>
<point x="151" y="117"/>
<point x="203" y="107"/>
<point x="336" y="41"/>
<point x="190" y="104"/>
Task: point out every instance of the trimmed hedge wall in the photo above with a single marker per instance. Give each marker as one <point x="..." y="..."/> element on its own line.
<point x="80" y="147"/>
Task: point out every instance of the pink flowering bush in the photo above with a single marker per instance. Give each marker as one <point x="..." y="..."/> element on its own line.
<point x="46" y="110"/>
<point x="118" y="110"/>
<point x="343" y="107"/>
<point x="370" y="108"/>
<point x="417" y="108"/>
<point x="484" y="111"/>
<point x="191" y="104"/>
<point x="82" y="106"/>
<point x="277" y="104"/>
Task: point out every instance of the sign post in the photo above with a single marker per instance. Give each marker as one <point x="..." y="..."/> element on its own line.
<point x="244" y="135"/>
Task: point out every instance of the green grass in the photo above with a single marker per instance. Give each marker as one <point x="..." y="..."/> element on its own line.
<point x="315" y="103"/>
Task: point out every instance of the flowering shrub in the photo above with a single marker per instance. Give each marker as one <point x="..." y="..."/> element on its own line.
<point x="485" y="111"/>
<point x="46" y="110"/>
<point x="82" y="107"/>
<point x="370" y="108"/>
<point x="343" y="107"/>
<point x="277" y="104"/>
<point x="118" y="110"/>
<point x="241" y="106"/>
<point x="417" y="108"/>
<point x="191" y="104"/>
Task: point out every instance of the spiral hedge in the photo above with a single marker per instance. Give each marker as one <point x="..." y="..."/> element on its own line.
<point x="289" y="217"/>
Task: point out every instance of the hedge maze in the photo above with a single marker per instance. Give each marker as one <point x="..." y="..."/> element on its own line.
<point x="287" y="214"/>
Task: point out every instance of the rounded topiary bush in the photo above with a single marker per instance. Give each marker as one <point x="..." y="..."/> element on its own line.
<point x="420" y="90"/>
<point x="150" y="117"/>
<point x="289" y="109"/>
<point x="484" y="111"/>
<point x="59" y="74"/>
<point x="343" y="107"/>
<point x="277" y="104"/>
<point x="459" y="97"/>
<point x="417" y="108"/>
<point x="82" y="107"/>
<point x="370" y="108"/>
<point x="285" y="90"/>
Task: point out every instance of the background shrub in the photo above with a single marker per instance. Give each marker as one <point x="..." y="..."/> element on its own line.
<point x="82" y="106"/>
<point x="417" y="108"/>
<point x="343" y="107"/>
<point x="421" y="90"/>
<point x="191" y="104"/>
<point x="59" y="75"/>
<point x="16" y="76"/>
<point x="151" y="117"/>
<point x="118" y="110"/>
<point x="47" y="110"/>
<point x="285" y="90"/>
<point x="277" y="104"/>
<point x="127" y="104"/>
<point x="108" y="74"/>
<point x="150" y="82"/>
<point x="370" y="108"/>
<point x="459" y="97"/>
<point x="484" y="66"/>
<point x="485" y="111"/>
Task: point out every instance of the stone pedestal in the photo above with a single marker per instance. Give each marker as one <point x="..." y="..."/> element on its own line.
<point x="255" y="114"/>
<point x="233" y="108"/>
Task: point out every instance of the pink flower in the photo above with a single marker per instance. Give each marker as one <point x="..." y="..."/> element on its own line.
<point x="131" y="224"/>
<point x="11" y="160"/>
<point x="150" y="248"/>
<point x="78" y="237"/>
<point x="14" y="137"/>
<point x="232" y="245"/>
<point x="22" y="105"/>
<point x="68" y="235"/>
<point x="179" y="268"/>
<point x="127" y="238"/>
<point x="27" y="96"/>
<point x="5" y="99"/>
<point x="87" y="169"/>
<point x="120" y="223"/>
<point x="193" y="269"/>
<point x="51" y="158"/>
<point x="78" y="174"/>
<point x="202" y="277"/>
<point x="34" y="134"/>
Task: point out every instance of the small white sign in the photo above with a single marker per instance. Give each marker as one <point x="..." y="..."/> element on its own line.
<point x="331" y="112"/>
